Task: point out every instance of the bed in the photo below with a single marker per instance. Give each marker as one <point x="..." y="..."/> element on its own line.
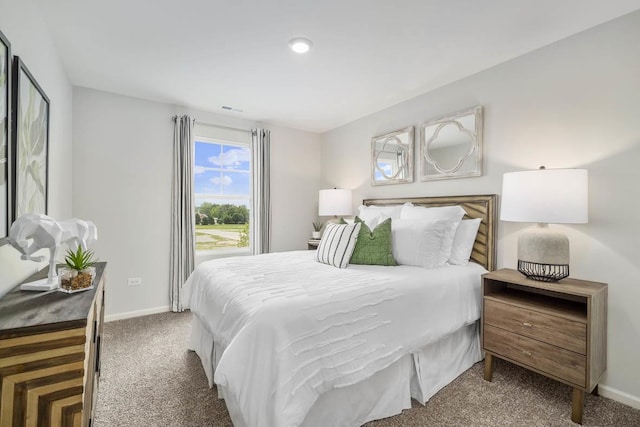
<point x="292" y="342"/>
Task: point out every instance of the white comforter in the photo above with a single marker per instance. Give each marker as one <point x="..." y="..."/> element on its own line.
<point x="293" y="328"/>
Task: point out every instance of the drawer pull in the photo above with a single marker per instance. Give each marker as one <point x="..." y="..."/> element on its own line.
<point x="527" y="324"/>
<point x="528" y="353"/>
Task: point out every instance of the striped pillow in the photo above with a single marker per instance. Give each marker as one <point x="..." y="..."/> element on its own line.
<point x="337" y="244"/>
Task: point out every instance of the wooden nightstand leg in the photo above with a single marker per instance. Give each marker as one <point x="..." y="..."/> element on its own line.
<point x="577" y="405"/>
<point x="488" y="367"/>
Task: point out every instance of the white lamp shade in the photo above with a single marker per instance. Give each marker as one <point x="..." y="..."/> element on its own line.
<point x="335" y="202"/>
<point x="548" y="196"/>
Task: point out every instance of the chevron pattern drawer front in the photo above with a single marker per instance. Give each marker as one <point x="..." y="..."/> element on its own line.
<point x="42" y="378"/>
<point x="49" y="369"/>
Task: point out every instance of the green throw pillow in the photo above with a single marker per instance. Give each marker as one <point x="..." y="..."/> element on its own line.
<point x="373" y="247"/>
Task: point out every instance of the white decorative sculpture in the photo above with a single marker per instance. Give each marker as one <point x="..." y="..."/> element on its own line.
<point x="77" y="232"/>
<point x="32" y="232"/>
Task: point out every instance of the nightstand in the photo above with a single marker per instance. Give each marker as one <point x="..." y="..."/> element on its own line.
<point x="313" y="244"/>
<point x="557" y="329"/>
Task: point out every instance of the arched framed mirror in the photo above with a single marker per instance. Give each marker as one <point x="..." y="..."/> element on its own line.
<point x="392" y="157"/>
<point x="451" y="146"/>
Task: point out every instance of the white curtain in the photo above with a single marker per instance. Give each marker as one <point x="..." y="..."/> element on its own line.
<point x="261" y="209"/>
<point x="182" y="209"/>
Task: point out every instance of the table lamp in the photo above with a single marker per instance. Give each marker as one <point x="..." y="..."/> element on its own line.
<point x="545" y="196"/>
<point x="335" y="202"/>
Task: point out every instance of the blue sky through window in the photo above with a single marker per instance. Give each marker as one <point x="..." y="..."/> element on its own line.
<point x="222" y="170"/>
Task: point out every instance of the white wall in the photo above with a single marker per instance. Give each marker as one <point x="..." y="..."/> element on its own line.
<point x="571" y="104"/>
<point x="123" y="150"/>
<point x="122" y="182"/>
<point x="295" y="180"/>
<point x="23" y="25"/>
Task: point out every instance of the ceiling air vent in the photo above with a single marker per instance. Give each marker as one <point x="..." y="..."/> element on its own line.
<point x="228" y="108"/>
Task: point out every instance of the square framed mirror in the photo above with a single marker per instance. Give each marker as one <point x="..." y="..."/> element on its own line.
<point x="451" y="146"/>
<point x="392" y="157"/>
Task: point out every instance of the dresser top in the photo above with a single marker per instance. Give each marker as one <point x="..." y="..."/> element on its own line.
<point x="45" y="311"/>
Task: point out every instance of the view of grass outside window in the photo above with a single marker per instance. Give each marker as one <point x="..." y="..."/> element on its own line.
<point x="222" y="187"/>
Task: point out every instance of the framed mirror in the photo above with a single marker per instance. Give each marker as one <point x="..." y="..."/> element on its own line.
<point x="451" y="146"/>
<point x="392" y="157"/>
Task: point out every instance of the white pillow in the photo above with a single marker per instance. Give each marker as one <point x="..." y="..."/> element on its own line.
<point x="420" y="212"/>
<point x="337" y="244"/>
<point x="463" y="241"/>
<point x="423" y="243"/>
<point x="374" y="215"/>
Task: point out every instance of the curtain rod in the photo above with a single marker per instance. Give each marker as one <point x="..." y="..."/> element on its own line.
<point x="219" y="126"/>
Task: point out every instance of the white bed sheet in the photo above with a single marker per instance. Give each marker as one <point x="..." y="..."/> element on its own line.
<point x="293" y="329"/>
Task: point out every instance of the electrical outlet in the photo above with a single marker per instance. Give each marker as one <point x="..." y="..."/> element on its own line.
<point x="134" y="281"/>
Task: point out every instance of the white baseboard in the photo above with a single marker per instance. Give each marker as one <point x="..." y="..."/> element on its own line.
<point x="137" y="313"/>
<point x="619" y="396"/>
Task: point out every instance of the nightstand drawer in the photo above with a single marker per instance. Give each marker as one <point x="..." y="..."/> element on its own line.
<point x="559" y="331"/>
<point x="560" y="363"/>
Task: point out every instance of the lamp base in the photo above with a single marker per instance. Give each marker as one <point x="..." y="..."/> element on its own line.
<point x="543" y="272"/>
<point x="543" y="254"/>
<point x="41" y="285"/>
<point x="336" y="220"/>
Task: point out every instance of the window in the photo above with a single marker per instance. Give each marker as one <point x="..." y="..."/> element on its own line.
<point x="222" y="190"/>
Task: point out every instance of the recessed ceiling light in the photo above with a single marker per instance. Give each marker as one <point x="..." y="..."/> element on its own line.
<point x="300" y="45"/>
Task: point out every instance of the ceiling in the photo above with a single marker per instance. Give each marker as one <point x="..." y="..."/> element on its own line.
<point x="367" y="54"/>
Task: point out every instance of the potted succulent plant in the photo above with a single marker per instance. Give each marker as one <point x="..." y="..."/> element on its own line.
<point x="317" y="226"/>
<point x="79" y="271"/>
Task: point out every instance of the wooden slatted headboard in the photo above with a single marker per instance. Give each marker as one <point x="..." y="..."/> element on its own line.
<point x="476" y="206"/>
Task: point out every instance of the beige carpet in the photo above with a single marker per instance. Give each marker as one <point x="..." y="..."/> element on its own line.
<point x="150" y="379"/>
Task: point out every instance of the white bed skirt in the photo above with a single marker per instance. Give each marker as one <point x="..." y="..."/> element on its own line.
<point x="419" y="375"/>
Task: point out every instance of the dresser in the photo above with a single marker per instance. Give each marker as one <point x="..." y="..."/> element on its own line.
<point x="558" y="329"/>
<point x="50" y="345"/>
